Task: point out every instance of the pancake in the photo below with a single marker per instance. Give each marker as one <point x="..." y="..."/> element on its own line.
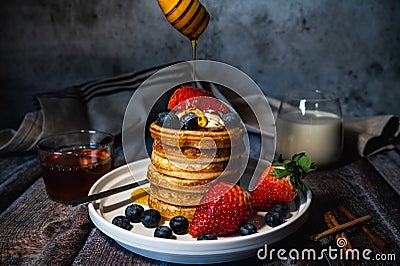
<point x="177" y="197"/>
<point x="192" y="170"/>
<point x="201" y="139"/>
<point x="172" y="182"/>
<point x="174" y="190"/>
<point x="183" y="154"/>
<point x="168" y="211"/>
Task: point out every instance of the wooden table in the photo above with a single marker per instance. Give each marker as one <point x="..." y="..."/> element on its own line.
<point x="38" y="231"/>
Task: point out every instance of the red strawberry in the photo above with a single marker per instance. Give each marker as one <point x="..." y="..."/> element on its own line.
<point x="222" y="211"/>
<point x="208" y="105"/>
<point x="280" y="181"/>
<point x="271" y="191"/>
<point x="187" y="97"/>
<point x="186" y="92"/>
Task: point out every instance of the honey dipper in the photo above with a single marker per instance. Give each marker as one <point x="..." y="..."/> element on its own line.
<point x="189" y="17"/>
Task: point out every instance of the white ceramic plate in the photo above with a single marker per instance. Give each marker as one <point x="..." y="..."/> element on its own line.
<point x="184" y="249"/>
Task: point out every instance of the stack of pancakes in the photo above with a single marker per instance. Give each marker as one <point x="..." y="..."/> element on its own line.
<point x="185" y="162"/>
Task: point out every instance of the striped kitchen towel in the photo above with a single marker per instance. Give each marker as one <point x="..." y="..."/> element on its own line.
<point x="96" y="105"/>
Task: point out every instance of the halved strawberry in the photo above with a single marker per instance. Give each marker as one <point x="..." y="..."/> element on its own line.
<point x="187" y="97"/>
<point x="222" y="211"/>
<point x="208" y="104"/>
<point x="280" y="181"/>
<point x="186" y="92"/>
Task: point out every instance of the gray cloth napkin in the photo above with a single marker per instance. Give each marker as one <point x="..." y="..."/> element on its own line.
<point x="101" y="105"/>
<point x="372" y="134"/>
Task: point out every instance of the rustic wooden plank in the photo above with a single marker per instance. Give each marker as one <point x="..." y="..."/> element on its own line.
<point x="38" y="231"/>
<point x="35" y="230"/>
<point x="17" y="173"/>
<point x="11" y="163"/>
<point x="363" y="191"/>
<point x="387" y="164"/>
<point x="102" y="250"/>
<point x="356" y="185"/>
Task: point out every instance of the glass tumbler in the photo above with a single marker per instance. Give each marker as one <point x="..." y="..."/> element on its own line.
<point x="72" y="162"/>
<point x="310" y="121"/>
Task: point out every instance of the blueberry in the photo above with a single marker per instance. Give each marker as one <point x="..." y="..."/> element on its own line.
<point x="161" y="118"/>
<point x="283" y="209"/>
<point x="273" y="219"/>
<point x="207" y="236"/>
<point x="248" y="229"/>
<point x="172" y="121"/>
<point x="189" y="121"/>
<point x="122" y="221"/>
<point x="230" y="119"/>
<point x="168" y="119"/>
<point x="179" y="225"/>
<point x="163" y="232"/>
<point x="134" y="212"/>
<point x="150" y="218"/>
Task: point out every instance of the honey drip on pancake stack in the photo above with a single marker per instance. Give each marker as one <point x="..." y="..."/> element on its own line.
<point x="195" y="144"/>
<point x="188" y="156"/>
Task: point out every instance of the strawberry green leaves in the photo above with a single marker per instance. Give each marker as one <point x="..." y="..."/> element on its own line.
<point x="296" y="169"/>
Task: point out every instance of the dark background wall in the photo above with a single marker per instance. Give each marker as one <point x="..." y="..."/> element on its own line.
<point x="352" y="47"/>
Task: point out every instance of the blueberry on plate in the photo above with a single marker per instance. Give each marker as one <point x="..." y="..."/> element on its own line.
<point x="150" y="218"/>
<point x="247" y="229"/>
<point x="189" y="121"/>
<point x="134" y="213"/>
<point x="207" y="236"/>
<point x="122" y="221"/>
<point x="283" y="209"/>
<point x="179" y="225"/>
<point x="163" y="231"/>
<point x="273" y="218"/>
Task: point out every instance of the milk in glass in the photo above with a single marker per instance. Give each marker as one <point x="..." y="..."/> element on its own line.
<point x="317" y="133"/>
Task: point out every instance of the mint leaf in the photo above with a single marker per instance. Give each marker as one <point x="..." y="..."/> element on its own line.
<point x="297" y="156"/>
<point x="296" y="169"/>
<point x="305" y="164"/>
<point x="279" y="173"/>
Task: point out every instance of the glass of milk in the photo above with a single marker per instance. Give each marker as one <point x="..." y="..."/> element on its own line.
<point x="310" y="121"/>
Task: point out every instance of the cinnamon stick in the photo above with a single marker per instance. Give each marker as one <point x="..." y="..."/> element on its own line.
<point x="380" y="242"/>
<point x="328" y="221"/>
<point x="331" y="222"/>
<point x="341" y="227"/>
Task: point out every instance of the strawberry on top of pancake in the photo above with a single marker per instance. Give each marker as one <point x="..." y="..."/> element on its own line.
<point x="187" y="97"/>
